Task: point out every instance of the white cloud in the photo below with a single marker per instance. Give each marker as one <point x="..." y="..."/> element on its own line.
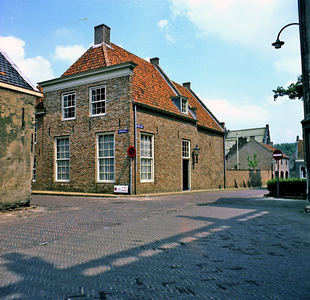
<point x="283" y="116"/>
<point x="36" y="69"/>
<point x="162" y="24"/>
<point x="165" y="26"/>
<point x="237" y="116"/>
<point x="68" y="53"/>
<point x="253" y="23"/>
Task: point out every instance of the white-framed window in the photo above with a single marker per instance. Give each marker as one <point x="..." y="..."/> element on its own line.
<point x="105" y="157"/>
<point x="34" y="169"/>
<point x="62" y="157"/>
<point x="184" y="106"/>
<point x="97" y="100"/>
<point x="303" y="172"/>
<point x="147" y="158"/>
<point x="68" y="106"/>
<point x="35" y="131"/>
<point x="186" y="149"/>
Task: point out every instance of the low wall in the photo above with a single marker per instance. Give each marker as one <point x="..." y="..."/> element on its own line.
<point x="247" y="178"/>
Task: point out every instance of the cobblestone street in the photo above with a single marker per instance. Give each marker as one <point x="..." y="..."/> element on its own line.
<point x="229" y="244"/>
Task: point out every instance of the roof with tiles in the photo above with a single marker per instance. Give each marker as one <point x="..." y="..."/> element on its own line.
<point x="10" y="74"/>
<point x="271" y="148"/>
<point x="150" y="87"/>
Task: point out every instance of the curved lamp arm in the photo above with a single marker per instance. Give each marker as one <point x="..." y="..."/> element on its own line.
<point x="278" y="44"/>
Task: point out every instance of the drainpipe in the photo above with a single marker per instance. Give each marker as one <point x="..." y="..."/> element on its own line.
<point x="135" y="137"/>
<point x="224" y="159"/>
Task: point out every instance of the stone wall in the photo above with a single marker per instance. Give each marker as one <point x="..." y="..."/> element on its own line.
<point x="16" y="133"/>
<point x="247" y="178"/>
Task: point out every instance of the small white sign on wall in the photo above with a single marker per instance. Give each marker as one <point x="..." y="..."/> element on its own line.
<point x="122" y="189"/>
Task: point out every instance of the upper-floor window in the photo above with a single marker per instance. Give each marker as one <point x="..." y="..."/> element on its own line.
<point x="68" y="106"/>
<point x="184" y="106"/>
<point x="35" y="131"/>
<point x="97" y="101"/>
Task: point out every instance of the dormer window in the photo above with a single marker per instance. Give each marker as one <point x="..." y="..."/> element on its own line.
<point x="184" y="106"/>
<point x="181" y="103"/>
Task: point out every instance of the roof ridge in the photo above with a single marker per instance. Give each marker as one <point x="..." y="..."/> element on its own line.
<point x="170" y="82"/>
<point x="105" y="54"/>
<point x="205" y="108"/>
<point x="19" y="71"/>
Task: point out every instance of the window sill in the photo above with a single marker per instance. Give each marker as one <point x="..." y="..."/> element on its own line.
<point x="95" y="116"/>
<point x="71" y="119"/>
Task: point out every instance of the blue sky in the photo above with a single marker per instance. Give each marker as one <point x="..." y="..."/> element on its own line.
<point x="223" y="47"/>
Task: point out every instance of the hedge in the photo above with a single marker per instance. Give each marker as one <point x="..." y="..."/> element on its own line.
<point x="288" y="187"/>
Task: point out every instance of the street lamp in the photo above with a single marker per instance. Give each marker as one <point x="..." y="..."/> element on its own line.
<point x="278" y="44"/>
<point x="304" y="33"/>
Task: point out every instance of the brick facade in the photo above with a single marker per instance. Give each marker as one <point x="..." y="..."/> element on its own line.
<point x="137" y="93"/>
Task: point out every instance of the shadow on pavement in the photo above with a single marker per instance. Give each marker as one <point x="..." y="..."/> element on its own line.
<point x="212" y="251"/>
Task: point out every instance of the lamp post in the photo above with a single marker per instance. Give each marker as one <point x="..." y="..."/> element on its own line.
<point x="237" y="152"/>
<point x="304" y="33"/>
<point x="278" y="44"/>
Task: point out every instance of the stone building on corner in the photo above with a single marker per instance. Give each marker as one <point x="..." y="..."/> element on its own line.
<point x="17" y="120"/>
<point x="110" y="100"/>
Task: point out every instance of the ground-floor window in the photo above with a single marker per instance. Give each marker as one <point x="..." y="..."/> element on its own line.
<point x="62" y="159"/>
<point x="185" y="149"/>
<point x="34" y="169"/>
<point x="105" y="157"/>
<point x="302" y="172"/>
<point x="147" y="158"/>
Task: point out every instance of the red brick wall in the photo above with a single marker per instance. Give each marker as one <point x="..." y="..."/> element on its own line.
<point x="168" y="133"/>
<point x="246" y="178"/>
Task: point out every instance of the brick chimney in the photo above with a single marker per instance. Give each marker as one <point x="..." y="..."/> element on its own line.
<point x="102" y="34"/>
<point x="154" y="61"/>
<point x="187" y="85"/>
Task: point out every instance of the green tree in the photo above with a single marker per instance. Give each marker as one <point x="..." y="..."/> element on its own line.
<point x="253" y="163"/>
<point x="293" y="91"/>
<point x="287" y="148"/>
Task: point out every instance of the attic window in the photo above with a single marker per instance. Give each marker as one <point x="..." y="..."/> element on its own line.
<point x="184" y="106"/>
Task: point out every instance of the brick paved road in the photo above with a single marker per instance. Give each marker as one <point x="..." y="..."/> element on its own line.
<point x="214" y="245"/>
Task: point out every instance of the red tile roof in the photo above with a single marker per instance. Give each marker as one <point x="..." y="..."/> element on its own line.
<point x="149" y="86"/>
<point x="271" y="148"/>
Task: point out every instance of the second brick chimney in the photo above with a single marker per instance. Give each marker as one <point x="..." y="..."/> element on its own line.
<point x="102" y="34"/>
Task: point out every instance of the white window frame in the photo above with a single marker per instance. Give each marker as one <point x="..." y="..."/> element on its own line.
<point x="35" y="130"/>
<point x="60" y="160"/>
<point x="34" y="169"/>
<point x="92" y="103"/>
<point x="184" y="106"/>
<point x="186" y="149"/>
<point x="63" y="108"/>
<point x="147" y="158"/>
<point x="105" y="154"/>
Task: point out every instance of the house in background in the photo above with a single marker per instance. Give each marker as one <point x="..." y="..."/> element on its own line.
<point x="297" y="161"/>
<point x="110" y="100"/>
<point x="261" y="135"/>
<point x="238" y="158"/>
<point x="17" y="115"/>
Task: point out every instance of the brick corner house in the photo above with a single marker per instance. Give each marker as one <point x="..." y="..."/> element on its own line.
<point x="109" y="100"/>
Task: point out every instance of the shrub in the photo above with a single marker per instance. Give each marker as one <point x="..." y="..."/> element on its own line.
<point x="294" y="187"/>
